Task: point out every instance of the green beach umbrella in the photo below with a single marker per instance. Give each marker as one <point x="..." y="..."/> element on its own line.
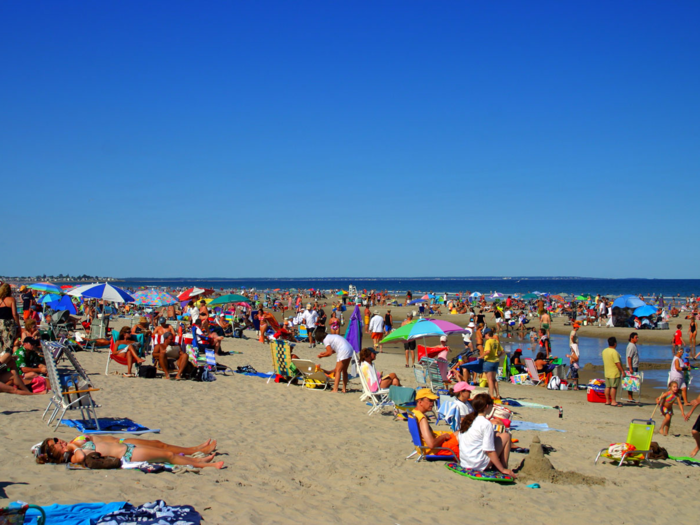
<point x="229" y="298"/>
<point x="530" y="296"/>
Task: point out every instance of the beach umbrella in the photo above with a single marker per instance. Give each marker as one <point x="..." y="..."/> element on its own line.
<point x="104" y="291"/>
<point x="342" y="292"/>
<point x="354" y="332"/>
<point x="63" y="303"/>
<point x="558" y="298"/>
<point x="475" y="294"/>
<point x="529" y="296"/>
<point x="645" y="311"/>
<point x="154" y="298"/>
<point x="416" y="301"/>
<point x="48" y="298"/>
<point x="496" y="295"/>
<point x="193" y="292"/>
<point x="45" y="287"/>
<point x="423" y="328"/>
<point x="229" y="298"/>
<point x="628" y="301"/>
<point x="67" y="286"/>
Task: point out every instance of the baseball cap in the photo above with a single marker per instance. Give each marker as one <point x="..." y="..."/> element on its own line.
<point x="308" y="306"/>
<point x="31" y="341"/>
<point x="161" y="320"/>
<point x="487" y="331"/>
<point x="376" y="312"/>
<point x="462" y="385"/>
<point x="443" y="338"/>
<point x="425" y="393"/>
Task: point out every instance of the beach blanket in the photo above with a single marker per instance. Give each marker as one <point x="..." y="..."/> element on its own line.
<point x="526" y="425"/>
<point x="154" y="513"/>
<point x="77" y="514"/>
<point x="109" y="426"/>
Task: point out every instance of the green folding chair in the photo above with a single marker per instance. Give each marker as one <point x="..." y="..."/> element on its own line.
<point x="15" y="516"/>
<point x="640" y="434"/>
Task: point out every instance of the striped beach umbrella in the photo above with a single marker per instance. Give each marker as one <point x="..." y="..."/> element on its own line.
<point x="104" y="291"/>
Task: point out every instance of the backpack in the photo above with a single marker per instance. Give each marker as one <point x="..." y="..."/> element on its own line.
<point x="554" y="383"/>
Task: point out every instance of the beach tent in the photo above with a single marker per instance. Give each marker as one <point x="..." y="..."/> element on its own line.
<point x="628" y="301"/>
<point x="64" y="303"/>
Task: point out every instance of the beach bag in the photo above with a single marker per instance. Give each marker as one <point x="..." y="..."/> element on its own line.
<point x="500" y="412"/>
<point x="95" y="460"/>
<point x="147" y="371"/>
<point x="554" y="383"/>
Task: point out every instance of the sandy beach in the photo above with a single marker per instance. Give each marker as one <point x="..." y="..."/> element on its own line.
<point x="298" y="455"/>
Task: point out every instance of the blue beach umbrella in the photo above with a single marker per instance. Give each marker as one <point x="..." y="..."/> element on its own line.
<point x="646" y="310"/>
<point x="49" y="298"/>
<point x="64" y="303"/>
<point x="628" y="301"/>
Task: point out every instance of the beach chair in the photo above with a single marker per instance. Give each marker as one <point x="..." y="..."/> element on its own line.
<point x="98" y="330"/>
<point x="640" y="434"/>
<point x="378" y="400"/>
<point x="282" y="361"/>
<point x="422" y="450"/>
<point x="16" y="515"/>
<point x="436" y="373"/>
<point x="313" y="379"/>
<point x="302" y="333"/>
<point x="212" y="364"/>
<point x="113" y="354"/>
<point x="532" y="371"/>
<point x="68" y="391"/>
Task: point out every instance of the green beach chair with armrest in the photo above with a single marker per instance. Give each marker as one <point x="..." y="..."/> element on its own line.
<point x="15" y="515"/>
<point x="640" y="434"/>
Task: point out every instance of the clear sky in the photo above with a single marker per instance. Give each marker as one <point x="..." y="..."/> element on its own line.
<point x="379" y="138"/>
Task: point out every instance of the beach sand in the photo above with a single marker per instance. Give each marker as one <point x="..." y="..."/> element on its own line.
<point x="298" y="455"/>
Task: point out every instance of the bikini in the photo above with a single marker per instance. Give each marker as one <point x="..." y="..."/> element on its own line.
<point x="89" y="446"/>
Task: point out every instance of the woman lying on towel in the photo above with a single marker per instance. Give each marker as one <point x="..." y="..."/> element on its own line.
<point x="54" y="450"/>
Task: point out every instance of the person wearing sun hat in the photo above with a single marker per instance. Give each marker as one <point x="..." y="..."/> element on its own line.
<point x="437" y="441"/>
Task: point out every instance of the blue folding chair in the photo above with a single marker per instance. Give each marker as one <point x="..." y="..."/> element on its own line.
<point x="421" y="449"/>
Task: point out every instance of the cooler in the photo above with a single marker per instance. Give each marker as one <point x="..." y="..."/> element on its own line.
<point x="595" y="394"/>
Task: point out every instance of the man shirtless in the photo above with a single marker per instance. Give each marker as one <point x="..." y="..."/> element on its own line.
<point x="169" y="350"/>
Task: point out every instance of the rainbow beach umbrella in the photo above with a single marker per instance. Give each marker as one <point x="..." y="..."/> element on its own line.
<point x="154" y="297"/>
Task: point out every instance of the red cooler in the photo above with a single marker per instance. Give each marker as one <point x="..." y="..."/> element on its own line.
<point x="595" y="394"/>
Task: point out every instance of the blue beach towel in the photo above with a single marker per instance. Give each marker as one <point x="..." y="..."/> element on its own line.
<point x="109" y="426"/>
<point x="526" y="425"/>
<point x="78" y="514"/>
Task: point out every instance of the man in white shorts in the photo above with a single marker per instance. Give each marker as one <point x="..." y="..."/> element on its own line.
<point x="339" y="345"/>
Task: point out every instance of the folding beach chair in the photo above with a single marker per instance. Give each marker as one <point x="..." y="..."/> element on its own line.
<point x="302" y="333"/>
<point x="70" y="391"/>
<point x="639" y="435"/>
<point x="16" y="515"/>
<point x="213" y="366"/>
<point x="98" y="330"/>
<point x="378" y="399"/>
<point x="421" y="376"/>
<point x="422" y="450"/>
<point x="313" y="379"/>
<point x="436" y="373"/>
<point x="532" y="371"/>
<point x="282" y="361"/>
<point x="113" y="353"/>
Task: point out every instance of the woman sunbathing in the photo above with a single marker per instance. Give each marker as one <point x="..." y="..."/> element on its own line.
<point x="54" y="450"/>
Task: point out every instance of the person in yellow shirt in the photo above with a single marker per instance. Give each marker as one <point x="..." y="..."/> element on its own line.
<point x="491" y="355"/>
<point x="614" y="371"/>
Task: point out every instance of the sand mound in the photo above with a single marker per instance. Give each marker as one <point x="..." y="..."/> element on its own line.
<point x="536" y="467"/>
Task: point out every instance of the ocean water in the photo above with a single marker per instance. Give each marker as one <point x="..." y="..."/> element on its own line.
<point x="590" y="349"/>
<point x="614" y="287"/>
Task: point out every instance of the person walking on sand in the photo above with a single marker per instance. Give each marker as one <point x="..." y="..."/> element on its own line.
<point x="367" y="315"/>
<point x="376" y="328"/>
<point x="574" y="355"/>
<point x="613" y="372"/>
<point x="678" y="338"/>
<point x="632" y="355"/>
<point x="409" y="346"/>
<point x="545" y="322"/>
<point x="692" y="334"/>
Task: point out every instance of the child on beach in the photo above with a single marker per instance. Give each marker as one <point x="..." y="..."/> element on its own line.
<point x="665" y="403"/>
<point x="678" y="338"/>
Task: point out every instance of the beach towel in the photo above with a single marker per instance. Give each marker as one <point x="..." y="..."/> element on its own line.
<point x="154" y="513"/>
<point x="527" y="404"/>
<point x="77" y="514"/>
<point x="480" y="475"/>
<point x="688" y="461"/>
<point x="526" y="425"/>
<point x="109" y="426"/>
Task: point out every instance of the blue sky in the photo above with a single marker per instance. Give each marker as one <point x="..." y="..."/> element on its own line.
<point x="382" y="138"/>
